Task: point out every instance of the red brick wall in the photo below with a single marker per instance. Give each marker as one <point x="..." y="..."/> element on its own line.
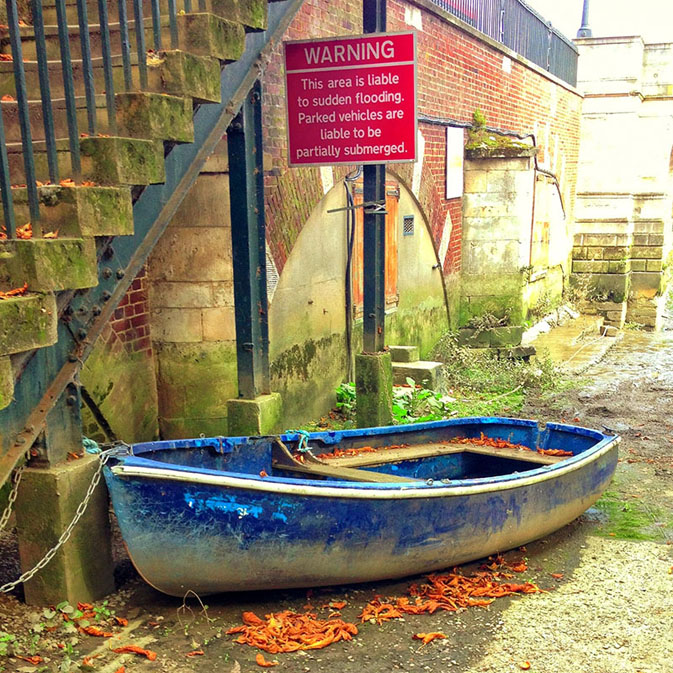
<point x="458" y="72"/>
<point x="130" y="323"/>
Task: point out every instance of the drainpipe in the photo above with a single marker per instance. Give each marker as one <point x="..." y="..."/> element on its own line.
<point x="584" y="30"/>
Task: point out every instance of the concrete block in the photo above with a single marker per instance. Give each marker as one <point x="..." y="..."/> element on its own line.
<point x="122" y="161"/>
<point x="182" y="74"/>
<point x="6" y="382"/>
<point x="174" y="325"/>
<point x="423" y="372"/>
<point x="404" y="353"/>
<point x="47" y="500"/>
<point x="261" y="416"/>
<point x="219" y="324"/>
<point x="27" y="322"/>
<point x="374" y="389"/>
<point x="141" y="114"/>
<point x="205" y="34"/>
<point x="49" y="265"/>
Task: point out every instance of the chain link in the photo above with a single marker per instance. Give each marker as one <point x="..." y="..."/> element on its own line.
<point x="12" y="497"/>
<point x="104" y="457"/>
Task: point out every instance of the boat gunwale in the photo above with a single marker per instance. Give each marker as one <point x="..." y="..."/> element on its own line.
<point x="135" y="466"/>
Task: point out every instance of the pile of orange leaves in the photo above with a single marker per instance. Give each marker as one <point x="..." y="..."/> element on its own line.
<point x="25" y="232"/>
<point x="289" y="631"/>
<point x="15" y="292"/>
<point x="483" y="440"/>
<point x="449" y="592"/>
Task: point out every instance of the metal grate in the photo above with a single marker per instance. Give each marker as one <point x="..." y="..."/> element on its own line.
<point x="408" y="225"/>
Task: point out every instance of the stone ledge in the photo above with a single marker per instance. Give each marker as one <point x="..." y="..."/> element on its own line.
<point x="27" y="322"/>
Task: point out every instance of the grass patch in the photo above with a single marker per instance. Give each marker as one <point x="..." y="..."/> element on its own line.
<point x="627" y="520"/>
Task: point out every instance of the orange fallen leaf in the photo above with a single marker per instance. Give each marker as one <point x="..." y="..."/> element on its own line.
<point x="121" y="669"/>
<point x="557" y="576"/>
<point x="261" y="661"/>
<point x="67" y="182"/>
<point x="195" y="653"/>
<point x="95" y="630"/>
<point x="51" y="234"/>
<point x="8" y="98"/>
<point x="84" y="607"/>
<point x="428" y="637"/>
<point x="34" y="660"/>
<point x="338" y="605"/>
<point x="134" y="649"/>
<point x="122" y="621"/>
<point x="15" y="292"/>
<point x="524" y="665"/>
<point x="263" y="473"/>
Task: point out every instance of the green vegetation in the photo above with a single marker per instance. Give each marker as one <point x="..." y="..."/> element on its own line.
<point x="480" y="138"/>
<point x="628" y="518"/>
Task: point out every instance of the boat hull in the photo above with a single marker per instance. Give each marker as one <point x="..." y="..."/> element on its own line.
<point x="213" y="532"/>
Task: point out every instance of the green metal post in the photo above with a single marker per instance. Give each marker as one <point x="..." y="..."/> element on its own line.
<point x="374" y="224"/>
<point x="246" y="181"/>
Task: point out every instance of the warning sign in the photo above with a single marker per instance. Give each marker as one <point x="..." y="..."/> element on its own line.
<point x="351" y="100"/>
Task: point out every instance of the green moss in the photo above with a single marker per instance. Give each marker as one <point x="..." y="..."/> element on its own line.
<point x="155" y="116"/>
<point x="27" y="322"/>
<point x="628" y="519"/>
<point x="374" y="385"/>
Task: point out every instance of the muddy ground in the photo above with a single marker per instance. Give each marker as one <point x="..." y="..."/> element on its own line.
<point x="608" y="576"/>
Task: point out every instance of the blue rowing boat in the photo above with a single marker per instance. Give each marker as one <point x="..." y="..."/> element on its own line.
<point x="246" y="513"/>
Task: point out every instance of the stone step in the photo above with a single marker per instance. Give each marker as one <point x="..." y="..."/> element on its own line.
<point x="75" y="211"/>
<point x="424" y="372"/>
<point x="6" y="382"/>
<point x="105" y="161"/>
<point x="48" y="265"/>
<point x="173" y="72"/>
<point x="27" y="322"/>
<point x="404" y="353"/>
<point x="251" y="13"/>
<point x="202" y="34"/>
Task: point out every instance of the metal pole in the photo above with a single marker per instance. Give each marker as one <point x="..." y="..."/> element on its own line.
<point x="374" y="224"/>
<point x="248" y="241"/>
<point x="584" y="30"/>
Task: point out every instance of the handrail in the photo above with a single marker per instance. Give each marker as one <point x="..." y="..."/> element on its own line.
<point x="520" y="28"/>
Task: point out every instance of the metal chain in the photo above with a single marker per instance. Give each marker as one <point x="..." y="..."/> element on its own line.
<point x="12" y="497"/>
<point x="104" y="457"/>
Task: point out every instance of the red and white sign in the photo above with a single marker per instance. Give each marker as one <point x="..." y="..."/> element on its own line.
<point x="351" y="100"/>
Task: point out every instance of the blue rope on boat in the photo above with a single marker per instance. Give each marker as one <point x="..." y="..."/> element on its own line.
<point x="90" y="446"/>
<point x="302" y="445"/>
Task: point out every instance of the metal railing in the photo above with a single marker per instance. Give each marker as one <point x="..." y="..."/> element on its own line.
<point x="519" y="27"/>
<point x="23" y="100"/>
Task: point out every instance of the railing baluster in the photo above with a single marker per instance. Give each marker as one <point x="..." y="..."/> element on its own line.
<point x="126" y="45"/>
<point x="45" y="90"/>
<point x="103" y="19"/>
<point x="24" y="115"/>
<point x="156" y="24"/>
<point x="173" y="21"/>
<point x="188" y="6"/>
<point x="87" y="67"/>
<point x="6" y="184"/>
<point x="69" y="89"/>
<point x="140" y="42"/>
<point x="202" y="5"/>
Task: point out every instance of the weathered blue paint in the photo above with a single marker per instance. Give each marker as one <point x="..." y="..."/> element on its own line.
<point x="196" y="514"/>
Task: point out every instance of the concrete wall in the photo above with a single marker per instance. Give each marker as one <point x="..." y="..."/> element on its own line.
<point x="623" y="233"/>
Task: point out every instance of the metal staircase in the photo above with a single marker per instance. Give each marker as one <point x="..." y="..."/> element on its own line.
<point x="105" y="130"/>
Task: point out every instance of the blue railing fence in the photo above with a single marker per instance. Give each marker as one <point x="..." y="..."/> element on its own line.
<point x="88" y="32"/>
<point x="520" y="28"/>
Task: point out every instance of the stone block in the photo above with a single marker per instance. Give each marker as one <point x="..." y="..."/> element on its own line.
<point x="6" y="382"/>
<point x="655" y="239"/>
<point x="654" y="265"/>
<point x="404" y="353"/>
<point x="77" y="211"/>
<point x="424" y="373"/>
<point x="580" y="252"/>
<point x="205" y="34"/>
<point x="155" y="116"/>
<point x="219" y="324"/>
<point x="506" y="336"/>
<point x="175" y="325"/>
<point x="51" y="264"/>
<point x="599" y="239"/>
<point x="590" y="266"/>
<point x="647" y="252"/>
<point x="374" y="389"/>
<point x="646" y="285"/>
<point x="47" y="500"/>
<point x="638" y="265"/>
<point x="617" y="252"/>
<point x="181" y="74"/>
<point x="608" y="331"/>
<point x="595" y="252"/>
<point x="474" y="338"/>
<point x="251" y="13"/>
<point x="27" y="322"/>
<point x="122" y="161"/>
<point x="164" y="294"/>
<point x="261" y="416"/>
<point x="619" y="267"/>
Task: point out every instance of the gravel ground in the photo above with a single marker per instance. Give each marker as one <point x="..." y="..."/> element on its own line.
<point x="608" y="605"/>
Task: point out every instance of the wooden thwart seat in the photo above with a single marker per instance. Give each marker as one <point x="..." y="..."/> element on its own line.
<point x="415" y="452"/>
<point x="282" y="459"/>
